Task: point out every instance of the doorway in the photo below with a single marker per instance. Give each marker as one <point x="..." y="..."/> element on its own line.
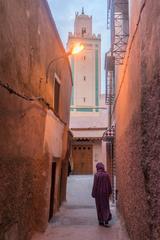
<point x="53" y="177"/>
<point x="82" y="159"/>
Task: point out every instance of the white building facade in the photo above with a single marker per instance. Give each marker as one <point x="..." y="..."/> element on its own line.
<point x="88" y="118"/>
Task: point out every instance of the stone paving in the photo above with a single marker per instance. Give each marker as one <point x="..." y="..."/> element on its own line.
<point x="77" y="218"/>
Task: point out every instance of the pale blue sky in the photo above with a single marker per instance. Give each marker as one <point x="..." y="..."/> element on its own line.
<point x="64" y="14"/>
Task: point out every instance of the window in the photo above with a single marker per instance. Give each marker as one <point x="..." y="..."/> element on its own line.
<point x="83" y="31"/>
<point x="84" y="78"/>
<point x="56" y="94"/>
<point x="84" y="99"/>
<point x="84" y="58"/>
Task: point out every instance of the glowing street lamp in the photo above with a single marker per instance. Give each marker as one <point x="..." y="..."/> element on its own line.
<point x="77" y="48"/>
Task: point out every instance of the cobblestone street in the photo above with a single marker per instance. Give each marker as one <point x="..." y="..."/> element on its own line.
<point x="77" y="218"/>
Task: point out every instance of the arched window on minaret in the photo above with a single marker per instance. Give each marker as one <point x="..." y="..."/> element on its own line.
<point x="83" y="31"/>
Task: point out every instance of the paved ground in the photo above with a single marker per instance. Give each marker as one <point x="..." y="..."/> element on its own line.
<point x="77" y="218"/>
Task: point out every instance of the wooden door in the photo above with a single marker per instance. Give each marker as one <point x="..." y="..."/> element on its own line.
<point x="82" y="159"/>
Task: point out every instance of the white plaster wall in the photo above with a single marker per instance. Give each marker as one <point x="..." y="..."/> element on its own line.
<point x="98" y="155"/>
<point x="84" y="88"/>
<point x="88" y="133"/>
<point x="90" y="119"/>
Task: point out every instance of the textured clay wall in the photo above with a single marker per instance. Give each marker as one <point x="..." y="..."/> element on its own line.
<point x="28" y="42"/>
<point x="150" y="107"/>
<point x="138" y="124"/>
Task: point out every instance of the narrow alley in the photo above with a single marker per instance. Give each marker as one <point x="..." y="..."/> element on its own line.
<point x="79" y="120"/>
<point x="77" y="217"/>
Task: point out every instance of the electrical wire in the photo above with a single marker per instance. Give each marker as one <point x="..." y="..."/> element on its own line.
<point x="27" y="98"/>
<point x="31" y="99"/>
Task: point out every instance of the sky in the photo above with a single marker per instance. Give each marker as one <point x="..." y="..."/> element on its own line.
<point x="63" y="12"/>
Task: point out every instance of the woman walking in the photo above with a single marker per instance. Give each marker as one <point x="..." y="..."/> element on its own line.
<point x="101" y="192"/>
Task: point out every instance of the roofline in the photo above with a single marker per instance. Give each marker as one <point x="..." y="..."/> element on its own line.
<point x="83" y="39"/>
<point x="89" y="129"/>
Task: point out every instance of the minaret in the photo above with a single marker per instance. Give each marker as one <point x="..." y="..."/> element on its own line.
<point x="86" y="66"/>
<point x="87" y="123"/>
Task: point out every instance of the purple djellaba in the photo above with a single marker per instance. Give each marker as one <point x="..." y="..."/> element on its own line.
<point x="101" y="192"/>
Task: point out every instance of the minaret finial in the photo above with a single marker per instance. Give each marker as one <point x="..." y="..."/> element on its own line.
<point x="82" y="10"/>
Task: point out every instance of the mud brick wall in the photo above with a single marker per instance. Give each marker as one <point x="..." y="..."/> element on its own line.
<point x="28" y="42"/>
<point x="138" y="124"/>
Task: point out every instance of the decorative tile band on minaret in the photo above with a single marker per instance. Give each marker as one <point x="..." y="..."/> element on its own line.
<point x="72" y="68"/>
<point x="96" y="79"/>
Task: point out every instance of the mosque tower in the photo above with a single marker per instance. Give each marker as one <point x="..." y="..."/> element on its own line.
<point x="86" y="121"/>
<point x="86" y="67"/>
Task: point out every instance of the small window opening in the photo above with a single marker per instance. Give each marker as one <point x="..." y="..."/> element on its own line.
<point x="56" y="95"/>
<point x="83" y="31"/>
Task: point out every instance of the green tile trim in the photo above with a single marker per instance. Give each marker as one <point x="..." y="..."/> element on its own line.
<point x="96" y="79"/>
<point x="72" y="68"/>
<point x="82" y="109"/>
